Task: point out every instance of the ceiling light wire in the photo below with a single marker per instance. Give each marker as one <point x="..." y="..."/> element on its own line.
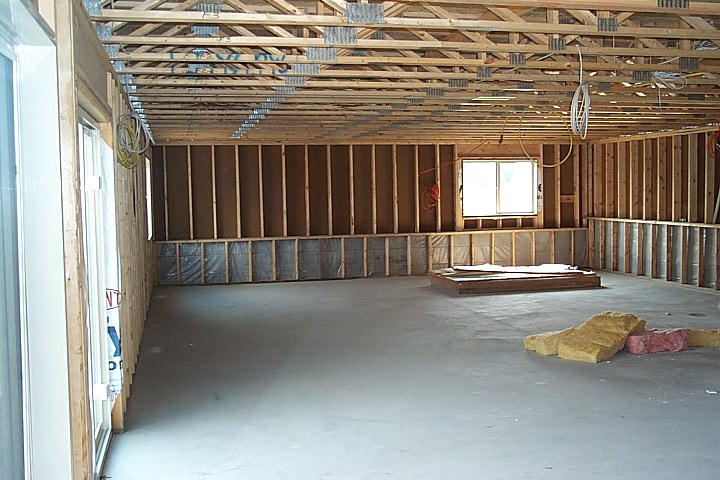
<point x="580" y="107"/>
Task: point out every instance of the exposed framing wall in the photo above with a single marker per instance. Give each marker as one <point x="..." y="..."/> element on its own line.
<point x="666" y="177"/>
<point x="266" y="259"/>
<point x="204" y="192"/>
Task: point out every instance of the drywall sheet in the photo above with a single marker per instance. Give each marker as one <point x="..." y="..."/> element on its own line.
<point x="397" y="256"/>
<point x="580" y="249"/>
<point x="647" y="239"/>
<point x="621" y="247"/>
<point x="461" y="250"/>
<point x="481" y="248"/>
<point x="330" y="255"/>
<point x="214" y="255"/>
<point x="308" y="264"/>
<point x="709" y="257"/>
<point x="190" y="267"/>
<point x="523" y="248"/>
<point x="440" y="246"/>
<point x="168" y="264"/>
<point x="634" y="243"/>
<point x="354" y="258"/>
<point x="563" y="247"/>
<point x="661" y="249"/>
<point x="285" y="260"/>
<point x="418" y="255"/>
<point x="238" y="265"/>
<point x="502" y="249"/>
<point x="542" y="248"/>
<point x="376" y="256"/>
<point x="262" y="261"/>
<point x="609" y="237"/>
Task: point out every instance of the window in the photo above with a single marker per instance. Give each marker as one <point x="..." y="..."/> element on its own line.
<point x="493" y="188"/>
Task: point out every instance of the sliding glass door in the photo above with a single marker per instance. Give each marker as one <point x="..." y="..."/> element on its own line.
<point x="11" y="410"/>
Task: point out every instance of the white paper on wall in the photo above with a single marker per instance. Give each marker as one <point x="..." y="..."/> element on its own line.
<point x="113" y="295"/>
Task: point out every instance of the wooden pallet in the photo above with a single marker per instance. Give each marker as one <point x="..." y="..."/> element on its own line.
<point x="514" y="280"/>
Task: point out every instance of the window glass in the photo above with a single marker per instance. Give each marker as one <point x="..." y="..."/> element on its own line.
<point x="498" y="187"/>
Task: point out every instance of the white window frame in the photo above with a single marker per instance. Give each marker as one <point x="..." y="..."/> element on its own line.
<point x="498" y="213"/>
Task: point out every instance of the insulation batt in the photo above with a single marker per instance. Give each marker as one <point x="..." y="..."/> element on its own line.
<point x="546" y="343"/>
<point x="703" y="338"/>
<point x="600" y="337"/>
<point x="651" y="341"/>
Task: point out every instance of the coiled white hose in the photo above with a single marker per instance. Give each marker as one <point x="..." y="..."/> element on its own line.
<point x="580" y="107"/>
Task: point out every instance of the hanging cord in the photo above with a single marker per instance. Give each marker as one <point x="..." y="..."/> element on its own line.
<point x="580" y="108"/>
<point x="430" y="197"/>
<point x="545" y="165"/>
<point x="132" y="141"/>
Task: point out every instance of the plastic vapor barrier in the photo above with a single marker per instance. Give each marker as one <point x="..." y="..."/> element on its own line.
<point x="238" y="264"/>
<point x="330" y="255"/>
<point x="523" y="248"/>
<point x="598" y="245"/>
<point x="376" y="256"/>
<point x="481" y="247"/>
<point x="609" y="236"/>
<point x="419" y="255"/>
<point x="709" y="257"/>
<point x="676" y="244"/>
<point x="285" y="260"/>
<point x="634" y="245"/>
<point x="397" y="256"/>
<point x="262" y="268"/>
<point x="647" y="249"/>
<point x="308" y="264"/>
<point x="542" y="248"/>
<point x="354" y="258"/>
<point x="461" y="250"/>
<point x="661" y="250"/>
<point x="581" y="248"/>
<point x="440" y="245"/>
<point x="190" y="267"/>
<point x="214" y="254"/>
<point x="168" y="264"/>
<point x="694" y="251"/>
<point x="621" y="247"/>
<point x="563" y="247"/>
<point x="502" y="249"/>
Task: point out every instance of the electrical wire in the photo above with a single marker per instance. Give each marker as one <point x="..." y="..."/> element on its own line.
<point x="131" y="140"/>
<point x="430" y="197"/>
<point x="713" y="143"/>
<point x="534" y="160"/>
<point x="580" y="107"/>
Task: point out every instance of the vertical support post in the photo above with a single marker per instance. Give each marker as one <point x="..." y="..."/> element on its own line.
<point x="374" y="189"/>
<point x="260" y="190"/>
<point x="214" y="192"/>
<point x="328" y="161"/>
<point x="692" y="179"/>
<point x="438" y="209"/>
<point x="283" y="162"/>
<point x="238" y="202"/>
<point x="417" y="189"/>
<point x="676" y="179"/>
<point x="661" y="177"/>
<point x="351" y="176"/>
<point x="576" y="186"/>
<point x="190" y="193"/>
<point x="395" y="188"/>
<point x="709" y="165"/>
<point x="307" y="193"/>
<point x="459" y="222"/>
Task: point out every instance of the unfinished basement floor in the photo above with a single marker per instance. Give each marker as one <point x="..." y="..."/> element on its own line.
<point x="394" y="378"/>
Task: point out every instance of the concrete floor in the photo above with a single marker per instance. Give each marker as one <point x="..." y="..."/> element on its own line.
<point x="394" y="378"/>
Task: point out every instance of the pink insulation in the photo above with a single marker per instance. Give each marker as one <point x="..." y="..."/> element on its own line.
<point x="651" y="341"/>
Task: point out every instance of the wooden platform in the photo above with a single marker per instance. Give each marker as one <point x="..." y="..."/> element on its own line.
<point x="496" y="279"/>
